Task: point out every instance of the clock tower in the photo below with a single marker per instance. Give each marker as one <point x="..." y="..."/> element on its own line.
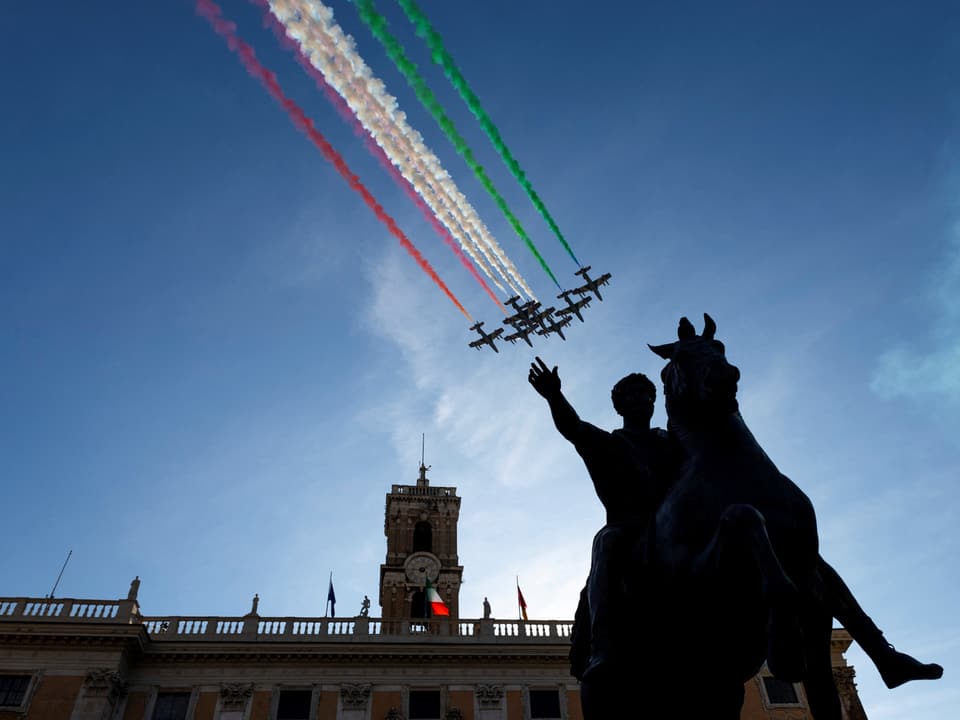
<point x="421" y="529"/>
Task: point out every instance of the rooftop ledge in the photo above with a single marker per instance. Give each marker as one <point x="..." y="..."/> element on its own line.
<point x="253" y="628"/>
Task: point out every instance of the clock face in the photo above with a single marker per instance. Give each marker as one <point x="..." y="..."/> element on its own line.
<point x="422" y="566"/>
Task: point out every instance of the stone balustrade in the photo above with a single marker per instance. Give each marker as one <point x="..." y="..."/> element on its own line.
<point x="283" y="629"/>
<point x="66" y="609"/>
<point x="423" y="491"/>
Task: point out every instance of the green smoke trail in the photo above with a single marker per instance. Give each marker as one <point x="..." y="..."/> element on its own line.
<point x="378" y="26"/>
<point x="442" y="58"/>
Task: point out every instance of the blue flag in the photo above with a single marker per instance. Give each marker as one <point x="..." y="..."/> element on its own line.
<point x="332" y="599"/>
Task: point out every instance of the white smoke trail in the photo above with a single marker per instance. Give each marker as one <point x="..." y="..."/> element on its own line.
<point x="333" y="53"/>
<point x="331" y="65"/>
<point x="377" y="110"/>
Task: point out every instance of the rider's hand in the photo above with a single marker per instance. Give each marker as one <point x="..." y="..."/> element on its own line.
<point x="544" y="381"/>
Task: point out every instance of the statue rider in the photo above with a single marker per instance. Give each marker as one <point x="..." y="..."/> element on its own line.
<point x="628" y="468"/>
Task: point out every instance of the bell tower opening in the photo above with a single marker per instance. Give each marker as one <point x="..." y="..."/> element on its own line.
<point x="418" y="605"/>
<point x="422" y="537"/>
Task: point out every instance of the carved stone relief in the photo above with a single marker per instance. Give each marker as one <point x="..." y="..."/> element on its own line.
<point x="489" y="695"/>
<point x="234" y="697"/>
<point x="355" y="697"/>
<point x="104" y="682"/>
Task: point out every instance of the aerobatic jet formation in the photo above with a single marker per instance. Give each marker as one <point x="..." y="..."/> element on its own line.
<point x="531" y="318"/>
<point x="485" y="338"/>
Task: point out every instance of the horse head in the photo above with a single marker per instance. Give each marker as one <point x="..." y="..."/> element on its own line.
<point x="698" y="378"/>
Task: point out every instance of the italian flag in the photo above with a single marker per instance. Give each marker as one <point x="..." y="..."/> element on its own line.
<point x="437" y="605"/>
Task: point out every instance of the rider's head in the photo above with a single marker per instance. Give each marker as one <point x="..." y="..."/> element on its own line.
<point x="633" y="397"/>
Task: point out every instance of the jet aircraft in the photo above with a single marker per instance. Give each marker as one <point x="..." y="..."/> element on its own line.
<point x="543" y="316"/>
<point x="572" y="307"/>
<point x="591" y="285"/>
<point x="525" y="314"/>
<point x="486" y="338"/>
<point x="556" y="327"/>
<point x="520" y="334"/>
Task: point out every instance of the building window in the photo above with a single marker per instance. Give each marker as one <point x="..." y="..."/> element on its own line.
<point x="422" y="537"/>
<point x="13" y="689"/>
<point x="171" y="706"/>
<point x="544" y="704"/>
<point x="294" y="705"/>
<point x="780" y="692"/>
<point x="424" y="705"/>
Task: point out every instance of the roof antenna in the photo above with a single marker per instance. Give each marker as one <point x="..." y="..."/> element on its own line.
<point x="422" y="480"/>
<point x="60" y="575"/>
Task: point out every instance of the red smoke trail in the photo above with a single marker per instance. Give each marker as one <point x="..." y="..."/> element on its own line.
<point x="226" y="29"/>
<point x="347" y="114"/>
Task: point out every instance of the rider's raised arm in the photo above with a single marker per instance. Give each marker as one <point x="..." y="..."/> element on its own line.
<point x="547" y="384"/>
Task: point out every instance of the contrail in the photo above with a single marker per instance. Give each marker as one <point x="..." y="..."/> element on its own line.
<point x="378" y="26"/>
<point x="333" y="53"/>
<point x="226" y="29"/>
<point x="440" y="56"/>
<point x="344" y="111"/>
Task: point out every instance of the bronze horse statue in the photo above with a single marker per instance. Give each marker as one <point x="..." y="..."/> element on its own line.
<point x="735" y="552"/>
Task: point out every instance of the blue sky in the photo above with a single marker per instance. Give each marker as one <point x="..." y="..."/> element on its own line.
<point x="215" y="361"/>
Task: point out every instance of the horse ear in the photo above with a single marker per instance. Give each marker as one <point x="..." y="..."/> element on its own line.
<point x="664" y="351"/>
<point x="686" y="330"/>
<point x="709" y="327"/>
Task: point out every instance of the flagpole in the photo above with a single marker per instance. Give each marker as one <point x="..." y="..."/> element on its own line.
<point x="519" y="611"/>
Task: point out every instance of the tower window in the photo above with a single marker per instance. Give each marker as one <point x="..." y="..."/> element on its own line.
<point x="422" y="537"/>
<point x="424" y="705"/>
<point x="544" y="704"/>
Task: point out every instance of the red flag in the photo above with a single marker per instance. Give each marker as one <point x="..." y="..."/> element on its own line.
<point x="522" y="603"/>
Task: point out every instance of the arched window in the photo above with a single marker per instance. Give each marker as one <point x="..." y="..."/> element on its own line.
<point x="418" y="605"/>
<point x="422" y="537"/>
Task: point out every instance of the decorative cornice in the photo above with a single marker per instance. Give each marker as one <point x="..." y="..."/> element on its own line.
<point x="355" y="697"/>
<point x="489" y="696"/>
<point x="235" y="696"/>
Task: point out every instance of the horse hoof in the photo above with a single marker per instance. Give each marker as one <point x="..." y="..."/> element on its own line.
<point x="785" y="657"/>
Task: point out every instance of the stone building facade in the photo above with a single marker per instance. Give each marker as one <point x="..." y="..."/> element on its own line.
<point x="71" y="659"/>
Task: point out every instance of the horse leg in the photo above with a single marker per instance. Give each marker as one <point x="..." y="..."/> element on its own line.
<point x="896" y="668"/>
<point x="743" y="530"/>
<point x="819" y="685"/>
